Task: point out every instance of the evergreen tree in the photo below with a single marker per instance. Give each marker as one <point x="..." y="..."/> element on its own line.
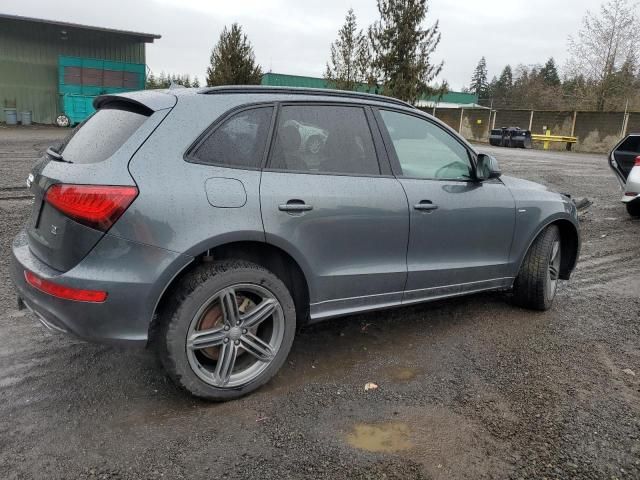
<point x="505" y="82"/>
<point x="196" y="82"/>
<point x="549" y="73"/>
<point x="163" y="81"/>
<point x="501" y="90"/>
<point x="401" y="49"/>
<point x="368" y="71"/>
<point x="625" y="84"/>
<point x="150" y="82"/>
<point x="440" y="91"/>
<point x="493" y="88"/>
<point x="232" y="60"/>
<point x="479" y="79"/>
<point x="347" y="66"/>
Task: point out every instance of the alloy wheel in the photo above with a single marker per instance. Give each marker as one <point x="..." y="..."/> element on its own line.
<point x="554" y="269"/>
<point x="315" y="144"/>
<point x="235" y="335"/>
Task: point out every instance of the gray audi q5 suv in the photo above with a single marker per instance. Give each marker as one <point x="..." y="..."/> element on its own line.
<point x="201" y="222"/>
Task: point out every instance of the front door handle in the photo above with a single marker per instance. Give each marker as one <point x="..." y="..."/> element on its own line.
<point x="427" y="205"/>
<point x="295" y="206"/>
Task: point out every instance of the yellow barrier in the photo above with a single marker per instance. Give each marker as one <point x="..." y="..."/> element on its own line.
<point x="546" y="138"/>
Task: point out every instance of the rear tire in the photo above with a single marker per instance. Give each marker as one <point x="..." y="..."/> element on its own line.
<point x="226" y="329"/>
<point x="536" y="284"/>
<point x="633" y="208"/>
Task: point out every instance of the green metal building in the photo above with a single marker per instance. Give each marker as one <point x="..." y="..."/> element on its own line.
<point x="29" y="51"/>
<point x="284" y="80"/>
<point x="448" y="100"/>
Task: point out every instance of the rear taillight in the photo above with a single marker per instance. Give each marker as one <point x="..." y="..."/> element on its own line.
<point x="637" y="163"/>
<point x="97" y="206"/>
<point x="61" y="291"/>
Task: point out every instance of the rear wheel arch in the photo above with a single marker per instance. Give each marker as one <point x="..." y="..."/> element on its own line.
<point x="273" y="258"/>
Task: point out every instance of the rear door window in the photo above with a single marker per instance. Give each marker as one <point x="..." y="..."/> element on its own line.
<point x="324" y="139"/>
<point x="239" y="142"/>
<point x="101" y="135"/>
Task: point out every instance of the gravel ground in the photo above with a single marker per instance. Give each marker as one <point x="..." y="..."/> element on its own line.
<point x="468" y="388"/>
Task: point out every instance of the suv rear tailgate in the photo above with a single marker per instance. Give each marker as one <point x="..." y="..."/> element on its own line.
<point x="100" y="152"/>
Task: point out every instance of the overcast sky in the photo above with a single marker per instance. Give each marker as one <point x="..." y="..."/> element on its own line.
<point x="293" y="36"/>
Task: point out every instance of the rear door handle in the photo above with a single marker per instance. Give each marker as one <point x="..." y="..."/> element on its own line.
<point x="295" y="206"/>
<point x="425" y="205"/>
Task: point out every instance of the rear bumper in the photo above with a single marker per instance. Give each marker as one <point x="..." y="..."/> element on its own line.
<point x="133" y="274"/>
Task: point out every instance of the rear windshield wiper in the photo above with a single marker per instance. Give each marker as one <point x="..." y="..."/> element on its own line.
<point x="56" y="155"/>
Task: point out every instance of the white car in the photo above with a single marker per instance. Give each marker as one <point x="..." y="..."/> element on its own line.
<point x="313" y="138"/>
<point x="624" y="159"/>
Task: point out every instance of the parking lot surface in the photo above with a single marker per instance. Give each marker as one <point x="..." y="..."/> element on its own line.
<point x="467" y="388"/>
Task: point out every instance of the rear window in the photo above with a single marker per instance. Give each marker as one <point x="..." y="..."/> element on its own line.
<point x="100" y="135"/>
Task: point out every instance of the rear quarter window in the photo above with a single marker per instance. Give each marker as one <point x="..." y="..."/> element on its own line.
<point x="101" y="135"/>
<point x="239" y="142"/>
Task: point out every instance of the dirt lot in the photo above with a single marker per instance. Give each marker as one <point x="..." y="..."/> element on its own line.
<point x="469" y="388"/>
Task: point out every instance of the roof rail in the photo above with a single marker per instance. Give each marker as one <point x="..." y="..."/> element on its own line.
<point x="324" y="92"/>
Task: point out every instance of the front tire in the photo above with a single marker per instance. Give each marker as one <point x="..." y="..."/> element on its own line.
<point x="537" y="282"/>
<point x="226" y="329"/>
<point x="633" y="208"/>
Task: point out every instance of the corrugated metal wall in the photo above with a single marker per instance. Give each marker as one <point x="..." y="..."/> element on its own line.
<point x="29" y="58"/>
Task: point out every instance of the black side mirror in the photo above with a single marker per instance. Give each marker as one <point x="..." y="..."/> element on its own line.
<point x="487" y="167"/>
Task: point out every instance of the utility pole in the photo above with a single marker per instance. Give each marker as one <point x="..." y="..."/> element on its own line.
<point x="625" y="119"/>
<point x="489" y="124"/>
<point x="531" y="121"/>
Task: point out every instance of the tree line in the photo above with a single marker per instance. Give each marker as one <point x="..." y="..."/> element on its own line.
<point x="602" y="72"/>
<point x="393" y="56"/>
<point x="164" y="80"/>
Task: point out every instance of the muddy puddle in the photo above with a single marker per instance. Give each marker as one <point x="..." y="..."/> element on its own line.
<point x="383" y="437"/>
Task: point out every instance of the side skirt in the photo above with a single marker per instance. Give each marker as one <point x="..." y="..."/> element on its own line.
<point x="347" y="306"/>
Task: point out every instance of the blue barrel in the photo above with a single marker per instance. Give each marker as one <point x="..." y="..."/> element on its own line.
<point x="26" y="118"/>
<point x="11" y="116"/>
